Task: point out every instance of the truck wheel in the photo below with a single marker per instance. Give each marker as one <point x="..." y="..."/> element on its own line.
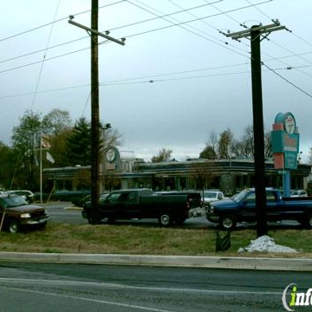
<point x="92" y="220"/>
<point x="228" y="222"/>
<point x="14" y="226"/>
<point x="306" y="222"/>
<point x="165" y="219"/>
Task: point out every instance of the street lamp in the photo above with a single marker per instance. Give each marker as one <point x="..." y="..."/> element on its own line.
<point x="104" y="149"/>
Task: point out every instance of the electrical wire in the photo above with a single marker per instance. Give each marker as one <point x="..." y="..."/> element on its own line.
<point x="47" y="59"/>
<point x="207" y="24"/>
<point x="129" y="36"/>
<point x="279" y="59"/>
<point x="42" y="63"/>
<point x="55" y="21"/>
<point x="86" y="103"/>
<point x="143" y="79"/>
<point x="145" y="32"/>
<point x="288" y="81"/>
<point x="284" y="48"/>
<point x="151" y="79"/>
<point x="137" y="34"/>
<point x="191" y="21"/>
<point x="111" y="29"/>
<point x="41" y="50"/>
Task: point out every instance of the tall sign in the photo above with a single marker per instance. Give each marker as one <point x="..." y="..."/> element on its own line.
<point x="285" y="146"/>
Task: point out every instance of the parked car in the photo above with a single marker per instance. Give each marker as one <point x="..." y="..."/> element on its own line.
<point x="27" y="195"/>
<point x="298" y="193"/>
<point x="212" y="195"/>
<point x="16" y="214"/>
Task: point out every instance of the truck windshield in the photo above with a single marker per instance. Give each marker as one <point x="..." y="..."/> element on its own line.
<point x="15" y="201"/>
<point x="239" y="196"/>
<point x="210" y="194"/>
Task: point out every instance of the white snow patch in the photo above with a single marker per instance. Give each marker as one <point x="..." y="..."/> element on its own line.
<point x="266" y="244"/>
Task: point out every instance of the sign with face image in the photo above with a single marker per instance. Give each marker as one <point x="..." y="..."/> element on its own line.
<point x="285" y="141"/>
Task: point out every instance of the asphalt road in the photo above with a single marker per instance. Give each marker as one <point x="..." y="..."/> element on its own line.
<point x="75" y="287"/>
<point x="54" y="287"/>
<point x="64" y="212"/>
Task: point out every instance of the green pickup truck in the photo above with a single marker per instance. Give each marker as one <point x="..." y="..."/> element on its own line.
<point x="168" y="208"/>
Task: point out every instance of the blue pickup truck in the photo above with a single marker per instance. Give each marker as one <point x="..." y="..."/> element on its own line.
<point x="242" y="208"/>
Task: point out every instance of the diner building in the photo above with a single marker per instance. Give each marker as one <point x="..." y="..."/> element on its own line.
<point x="121" y="169"/>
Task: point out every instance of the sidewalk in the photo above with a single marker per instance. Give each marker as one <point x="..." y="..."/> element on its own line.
<point x="241" y="263"/>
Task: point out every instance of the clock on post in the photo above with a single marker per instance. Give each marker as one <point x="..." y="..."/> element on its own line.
<point x="111" y="154"/>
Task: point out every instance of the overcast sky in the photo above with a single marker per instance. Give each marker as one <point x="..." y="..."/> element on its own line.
<point x="177" y="79"/>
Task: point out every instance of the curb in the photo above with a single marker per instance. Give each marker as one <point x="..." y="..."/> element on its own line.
<point x="241" y="263"/>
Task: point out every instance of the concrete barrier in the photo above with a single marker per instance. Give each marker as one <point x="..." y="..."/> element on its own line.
<point x="249" y="263"/>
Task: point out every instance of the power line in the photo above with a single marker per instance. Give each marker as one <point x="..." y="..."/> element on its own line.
<point x="151" y="79"/>
<point x="145" y="32"/>
<point x="47" y="45"/>
<point x="116" y="28"/>
<point x="279" y="59"/>
<point x="179" y="24"/>
<point x="41" y="50"/>
<point x="156" y="29"/>
<point x="143" y="79"/>
<point x="288" y="81"/>
<point x="284" y="48"/>
<point x="55" y="21"/>
<point x="75" y="40"/>
<point x="206" y="23"/>
<point x="48" y="59"/>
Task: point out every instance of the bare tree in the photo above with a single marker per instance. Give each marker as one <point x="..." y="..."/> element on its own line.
<point x="203" y="174"/>
<point x="56" y="122"/>
<point x="244" y="147"/>
<point x="268" y="153"/>
<point x="110" y="137"/>
<point x="163" y="155"/>
<point x="210" y="151"/>
<point x="227" y="146"/>
<point x="225" y="141"/>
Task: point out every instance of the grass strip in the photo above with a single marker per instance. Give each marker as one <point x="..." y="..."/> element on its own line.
<point x="146" y="240"/>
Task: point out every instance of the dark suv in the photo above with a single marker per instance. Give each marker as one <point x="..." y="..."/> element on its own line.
<point x="16" y="214"/>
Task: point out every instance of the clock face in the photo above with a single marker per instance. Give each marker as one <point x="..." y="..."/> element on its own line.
<point x="110" y="155"/>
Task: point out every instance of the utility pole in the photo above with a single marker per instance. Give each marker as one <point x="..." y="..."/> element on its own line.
<point x="95" y="112"/>
<point x="255" y="34"/>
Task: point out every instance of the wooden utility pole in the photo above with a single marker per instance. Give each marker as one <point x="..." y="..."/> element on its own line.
<point x="262" y="227"/>
<point x="255" y="34"/>
<point x="95" y="111"/>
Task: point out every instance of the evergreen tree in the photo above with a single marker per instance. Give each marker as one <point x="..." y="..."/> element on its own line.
<point x="79" y="143"/>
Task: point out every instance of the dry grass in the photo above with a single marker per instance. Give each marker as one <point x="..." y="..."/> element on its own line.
<point x="134" y="239"/>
